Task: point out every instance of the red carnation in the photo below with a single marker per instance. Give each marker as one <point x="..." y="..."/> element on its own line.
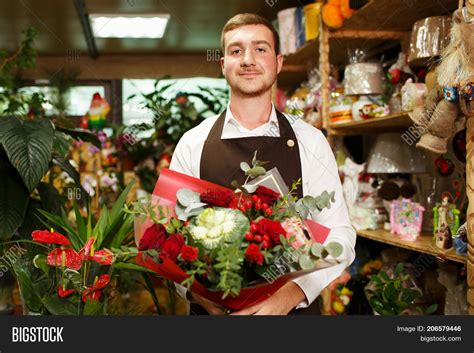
<point x="172" y="247"/>
<point x="217" y="197"/>
<point x="253" y="254"/>
<point x="153" y="238"/>
<point x="189" y="253"/>
<point x="272" y="228"/>
<point x="47" y="237"/>
<point x="267" y="195"/>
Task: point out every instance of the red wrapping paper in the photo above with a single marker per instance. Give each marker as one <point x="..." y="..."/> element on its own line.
<point x="164" y="195"/>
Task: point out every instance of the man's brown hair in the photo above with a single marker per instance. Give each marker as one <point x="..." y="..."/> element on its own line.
<point x="246" y="19"/>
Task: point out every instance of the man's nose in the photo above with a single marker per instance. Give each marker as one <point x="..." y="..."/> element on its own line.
<point x="248" y="58"/>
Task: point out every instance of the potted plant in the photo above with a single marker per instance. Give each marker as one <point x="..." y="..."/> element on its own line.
<point x="395" y="294"/>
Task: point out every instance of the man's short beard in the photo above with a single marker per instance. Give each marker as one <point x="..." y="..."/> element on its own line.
<point x="236" y="90"/>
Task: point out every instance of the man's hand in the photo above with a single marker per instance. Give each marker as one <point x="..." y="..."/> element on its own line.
<point x="210" y="307"/>
<point x="280" y="303"/>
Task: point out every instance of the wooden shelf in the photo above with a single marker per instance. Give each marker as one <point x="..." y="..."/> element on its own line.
<point x="393" y="122"/>
<point x="423" y="244"/>
<point x="376" y="27"/>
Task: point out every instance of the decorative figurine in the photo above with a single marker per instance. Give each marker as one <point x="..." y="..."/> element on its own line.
<point x="406" y="218"/>
<point x="460" y="240"/>
<point x="446" y="214"/>
<point x="98" y="112"/>
<point x="350" y="186"/>
<point x="443" y="238"/>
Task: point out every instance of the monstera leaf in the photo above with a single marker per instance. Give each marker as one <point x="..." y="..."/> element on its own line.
<point x="29" y="146"/>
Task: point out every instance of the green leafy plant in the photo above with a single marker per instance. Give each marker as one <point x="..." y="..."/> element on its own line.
<point x="39" y="282"/>
<point x="29" y="147"/>
<point x="175" y="113"/>
<point x="392" y="295"/>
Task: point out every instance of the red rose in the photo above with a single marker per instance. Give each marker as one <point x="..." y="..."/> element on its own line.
<point x="272" y="228"/>
<point x="189" y="253"/>
<point x="153" y="238"/>
<point x="253" y="254"/>
<point x="267" y="195"/>
<point x="216" y="197"/>
<point x="172" y="247"/>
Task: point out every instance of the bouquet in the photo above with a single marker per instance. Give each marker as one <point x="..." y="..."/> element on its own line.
<point x="233" y="247"/>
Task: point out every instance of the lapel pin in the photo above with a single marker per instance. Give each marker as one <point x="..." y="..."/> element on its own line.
<point x="290" y="143"/>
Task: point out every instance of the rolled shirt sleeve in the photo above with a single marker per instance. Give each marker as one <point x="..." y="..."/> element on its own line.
<point x="323" y="175"/>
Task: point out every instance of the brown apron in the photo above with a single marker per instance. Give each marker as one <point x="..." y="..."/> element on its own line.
<point x="220" y="164"/>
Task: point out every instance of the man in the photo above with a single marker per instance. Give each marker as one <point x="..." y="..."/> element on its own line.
<point x="214" y="149"/>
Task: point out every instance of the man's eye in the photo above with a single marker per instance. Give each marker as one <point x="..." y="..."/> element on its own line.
<point x="261" y="50"/>
<point x="235" y="51"/>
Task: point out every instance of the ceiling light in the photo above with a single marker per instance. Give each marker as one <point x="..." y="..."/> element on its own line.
<point x="129" y="26"/>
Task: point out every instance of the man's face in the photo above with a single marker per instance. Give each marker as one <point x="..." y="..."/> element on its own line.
<point x="250" y="64"/>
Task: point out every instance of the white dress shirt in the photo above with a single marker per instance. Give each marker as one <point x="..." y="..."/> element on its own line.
<point x="319" y="173"/>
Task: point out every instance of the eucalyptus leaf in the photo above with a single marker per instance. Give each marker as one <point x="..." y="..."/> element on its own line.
<point x="254" y="159"/>
<point x="194" y="206"/>
<point x="250" y="188"/>
<point x="317" y="250"/>
<point x="255" y="172"/>
<point x="244" y="166"/>
<point x="309" y="202"/>
<point x="187" y="197"/>
<point x="305" y="262"/>
<point x="334" y="249"/>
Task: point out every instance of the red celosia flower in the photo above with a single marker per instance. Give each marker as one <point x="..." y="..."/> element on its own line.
<point x="65" y="292"/>
<point x="49" y="237"/>
<point x="189" y="253"/>
<point x="253" y="254"/>
<point x="103" y="257"/>
<point x="272" y="228"/>
<point x="172" y="247"/>
<point x="65" y="257"/>
<point x="94" y="292"/>
<point x="267" y="195"/>
<point x="153" y="238"/>
<point x="216" y="197"/>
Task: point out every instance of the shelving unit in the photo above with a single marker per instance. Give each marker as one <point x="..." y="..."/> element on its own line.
<point x="373" y="126"/>
<point x="424" y="244"/>
<point x="377" y="27"/>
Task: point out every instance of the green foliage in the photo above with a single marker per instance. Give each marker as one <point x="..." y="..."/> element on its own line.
<point x="29" y="146"/>
<point x="229" y="262"/>
<point x="11" y="101"/>
<point x="110" y="230"/>
<point x="309" y="204"/>
<point x="392" y="296"/>
<point x="14" y="198"/>
<point x="176" y="115"/>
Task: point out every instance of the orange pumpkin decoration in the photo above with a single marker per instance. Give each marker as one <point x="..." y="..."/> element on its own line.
<point x="332" y="16"/>
<point x="346" y="11"/>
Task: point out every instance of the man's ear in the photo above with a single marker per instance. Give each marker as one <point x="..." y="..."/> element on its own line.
<point x="222" y="63"/>
<point x="279" y="63"/>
